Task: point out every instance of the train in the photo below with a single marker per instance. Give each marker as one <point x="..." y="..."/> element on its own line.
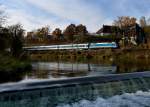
<point x="73" y="46"/>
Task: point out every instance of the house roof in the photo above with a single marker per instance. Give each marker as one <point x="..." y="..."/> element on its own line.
<point x="106" y="29"/>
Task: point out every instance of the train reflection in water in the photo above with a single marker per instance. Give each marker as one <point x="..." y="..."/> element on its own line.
<point x="58" y="69"/>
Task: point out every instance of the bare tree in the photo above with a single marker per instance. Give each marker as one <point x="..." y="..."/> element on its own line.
<point x="143" y="21"/>
<point x="17" y="34"/>
<point x="148" y="21"/>
<point x="2" y="17"/>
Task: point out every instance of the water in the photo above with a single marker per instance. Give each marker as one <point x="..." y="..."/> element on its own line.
<point x="138" y="99"/>
<point x="127" y="93"/>
<point x="124" y="93"/>
<point x="57" y="70"/>
<point x="63" y="70"/>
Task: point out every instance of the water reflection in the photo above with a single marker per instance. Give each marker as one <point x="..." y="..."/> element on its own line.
<point x="65" y="70"/>
<point x="61" y="70"/>
<point x="113" y="93"/>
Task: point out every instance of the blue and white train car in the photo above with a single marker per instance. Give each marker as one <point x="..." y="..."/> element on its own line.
<point x="103" y="45"/>
<point x="73" y="46"/>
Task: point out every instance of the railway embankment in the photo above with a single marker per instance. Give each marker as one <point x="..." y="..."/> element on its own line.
<point x="101" y="55"/>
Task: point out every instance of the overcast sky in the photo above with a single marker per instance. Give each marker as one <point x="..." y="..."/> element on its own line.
<point x="59" y="13"/>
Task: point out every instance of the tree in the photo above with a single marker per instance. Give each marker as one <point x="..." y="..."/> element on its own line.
<point x="148" y="21"/>
<point x="17" y="33"/>
<point x="3" y="32"/>
<point x="69" y="32"/>
<point x="2" y="18"/>
<point x="42" y="32"/>
<point x="57" y="33"/>
<point x="81" y="30"/>
<point x="38" y="35"/>
<point x="125" y="21"/>
<point x="147" y="30"/>
<point x="143" y="22"/>
<point x="81" y="33"/>
<point x="4" y="38"/>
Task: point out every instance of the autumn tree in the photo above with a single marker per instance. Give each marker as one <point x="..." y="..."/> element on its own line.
<point x="57" y="33"/>
<point x="147" y="30"/>
<point x="38" y="35"/>
<point x="81" y="33"/>
<point x="81" y="30"/>
<point x="125" y="21"/>
<point x="69" y="32"/>
<point x="42" y="32"/>
<point x="30" y="35"/>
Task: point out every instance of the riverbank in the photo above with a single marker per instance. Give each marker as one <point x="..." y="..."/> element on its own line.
<point x="127" y="59"/>
<point x="123" y="55"/>
<point x="12" y="68"/>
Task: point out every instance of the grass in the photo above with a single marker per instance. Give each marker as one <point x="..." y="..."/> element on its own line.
<point x="11" y="64"/>
<point x="12" y="69"/>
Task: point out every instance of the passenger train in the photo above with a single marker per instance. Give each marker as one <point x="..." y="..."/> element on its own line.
<point x="73" y="46"/>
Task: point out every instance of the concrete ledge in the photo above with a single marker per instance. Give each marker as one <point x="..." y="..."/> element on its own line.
<point x="44" y="84"/>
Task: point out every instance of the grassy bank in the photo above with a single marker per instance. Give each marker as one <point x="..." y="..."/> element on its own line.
<point x="12" y="68"/>
<point x="127" y="60"/>
<point x="120" y="55"/>
<point x="137" y="57"/>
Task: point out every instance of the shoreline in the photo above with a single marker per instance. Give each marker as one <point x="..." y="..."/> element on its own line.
<point x="12" y="68"/>
<point x="101" y="55"/>
<point x="126" y="60"/>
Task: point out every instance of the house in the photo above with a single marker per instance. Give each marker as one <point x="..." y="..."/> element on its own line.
<point x="107" y="30"/>
<point x="134" y="34"/>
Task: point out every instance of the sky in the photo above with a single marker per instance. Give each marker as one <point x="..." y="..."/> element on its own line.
<point x="33" y="14"/>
